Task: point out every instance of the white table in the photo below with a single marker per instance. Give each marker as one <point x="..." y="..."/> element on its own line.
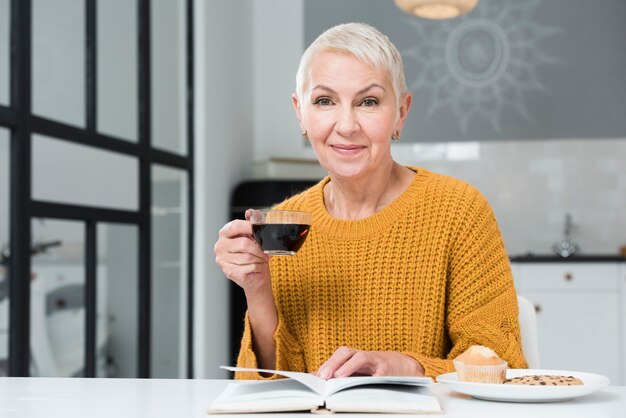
<point x="155" y="398"/>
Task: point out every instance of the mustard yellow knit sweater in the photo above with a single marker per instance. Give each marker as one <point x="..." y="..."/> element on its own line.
<point x="427" y="276"/>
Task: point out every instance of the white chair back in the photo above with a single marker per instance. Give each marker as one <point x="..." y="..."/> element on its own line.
<point x="528" y="328"/>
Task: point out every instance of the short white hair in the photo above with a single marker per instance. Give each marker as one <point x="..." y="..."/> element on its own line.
<point x="364" y="42"/>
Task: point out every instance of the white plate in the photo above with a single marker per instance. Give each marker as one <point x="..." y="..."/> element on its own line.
<point x="525" y="393"/>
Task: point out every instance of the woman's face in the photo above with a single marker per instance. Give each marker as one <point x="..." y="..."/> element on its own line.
<point x="350" y="112"/>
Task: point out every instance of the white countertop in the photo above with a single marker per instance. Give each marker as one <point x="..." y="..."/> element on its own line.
<point x="120" y="398"/>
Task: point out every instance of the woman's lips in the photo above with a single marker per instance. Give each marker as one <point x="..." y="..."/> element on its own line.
<point x="347" y="150"/>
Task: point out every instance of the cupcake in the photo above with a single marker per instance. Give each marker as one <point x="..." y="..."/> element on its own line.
<point x="480" y="364"/>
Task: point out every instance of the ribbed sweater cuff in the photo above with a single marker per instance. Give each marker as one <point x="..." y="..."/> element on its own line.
<point x="286" y="347"/>
<point x="433" y="367"/>
<point x="514" y="356"/>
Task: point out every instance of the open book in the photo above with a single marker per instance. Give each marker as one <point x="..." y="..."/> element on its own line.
<point x="306" y="392"/>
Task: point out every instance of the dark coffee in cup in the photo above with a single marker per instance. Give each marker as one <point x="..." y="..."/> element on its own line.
<point x="280" y="232"/>
<point x="280" y="239"/>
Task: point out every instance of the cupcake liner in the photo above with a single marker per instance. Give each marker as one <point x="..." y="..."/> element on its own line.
<point x="481" y="374"/>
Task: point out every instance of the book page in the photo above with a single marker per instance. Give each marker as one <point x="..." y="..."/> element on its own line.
<point x="266" y="396"/>
<point x="337" y="384"/>
<point x="328" y="387"/>
<point x="316" y="384"/>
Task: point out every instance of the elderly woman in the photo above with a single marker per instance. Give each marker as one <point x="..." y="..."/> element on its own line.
<point x="403" y="268"/>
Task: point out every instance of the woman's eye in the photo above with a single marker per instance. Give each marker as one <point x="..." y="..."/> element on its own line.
<point x="369" y="102"/>
<point x="323" y="101"/>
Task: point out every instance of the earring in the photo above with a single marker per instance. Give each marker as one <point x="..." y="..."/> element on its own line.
<point x="395" y="136"/>
<point x="304" y="134"/>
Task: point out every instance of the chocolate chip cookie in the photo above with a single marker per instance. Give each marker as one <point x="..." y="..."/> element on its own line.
<point x="544" y="380"/>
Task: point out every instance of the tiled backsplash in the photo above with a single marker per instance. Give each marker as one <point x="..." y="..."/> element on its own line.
<point x="532" y="185"/>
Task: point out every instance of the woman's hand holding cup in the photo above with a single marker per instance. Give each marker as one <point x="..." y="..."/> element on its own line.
<point x="241" y="258"/>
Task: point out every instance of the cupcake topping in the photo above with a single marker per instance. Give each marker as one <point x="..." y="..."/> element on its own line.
<point x="480" y="355"/>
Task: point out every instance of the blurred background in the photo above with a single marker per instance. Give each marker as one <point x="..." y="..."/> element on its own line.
<point x="132" y="130"/>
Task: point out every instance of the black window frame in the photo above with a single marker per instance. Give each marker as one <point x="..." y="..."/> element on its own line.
<point x="21" y="122"/>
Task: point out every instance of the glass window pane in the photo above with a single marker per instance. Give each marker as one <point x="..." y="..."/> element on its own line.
<point x="169" y="61"/>
<point x="4" y="245"/>
<point x="117" y="68"/>
<point x="57" y="298"/>
<point x="5" y="14"/>
<point x="117" y="323"/>
<point x="59" y="60"/>
<point x="78" y="174"/>
<point x="169" y="272"/>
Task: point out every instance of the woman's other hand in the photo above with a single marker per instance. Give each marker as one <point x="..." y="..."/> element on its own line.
<point x="347" y="361"/>
<point x="240" y="257"/>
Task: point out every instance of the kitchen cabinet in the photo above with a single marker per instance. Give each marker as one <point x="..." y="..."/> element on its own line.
<point x="580" y="314"/>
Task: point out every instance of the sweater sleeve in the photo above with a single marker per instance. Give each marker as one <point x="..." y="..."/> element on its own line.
<point x="481" y="301"/>
<point x="289" y="355"/>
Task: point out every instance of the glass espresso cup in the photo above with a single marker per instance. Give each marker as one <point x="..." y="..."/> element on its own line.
<point x="280" y="232"/>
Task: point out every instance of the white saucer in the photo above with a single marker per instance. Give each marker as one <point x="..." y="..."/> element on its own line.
<point x="525" y="393"/>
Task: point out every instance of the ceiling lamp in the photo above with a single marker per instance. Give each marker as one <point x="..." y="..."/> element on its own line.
<point x="436" y="9"/>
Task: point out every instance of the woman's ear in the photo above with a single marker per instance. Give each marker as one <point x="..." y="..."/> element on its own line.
<point x="403" y="110"/>
<point x="296" y="107"/>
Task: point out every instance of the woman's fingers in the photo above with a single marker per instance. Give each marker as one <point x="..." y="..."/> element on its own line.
<point x="243" y="274"/>
<point x="338" y="359"/>
<point x="362" y="362"/>
<point x="236" y="237"/>
<point x="349" y="362"/>
<point x="238" y="255"/>
<point x="245" y="245"/>
<point x="243" y="259"/>
<point x="236" y="228"/>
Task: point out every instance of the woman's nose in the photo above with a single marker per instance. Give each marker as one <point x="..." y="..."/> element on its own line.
<point x="347" y="123"/>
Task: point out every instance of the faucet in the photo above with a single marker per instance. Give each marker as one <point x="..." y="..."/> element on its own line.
<point x="566" y="248"/>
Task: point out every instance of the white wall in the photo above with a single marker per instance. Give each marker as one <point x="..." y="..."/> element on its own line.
<point x="278" y="45"/>
<point x="224" y="121"/>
